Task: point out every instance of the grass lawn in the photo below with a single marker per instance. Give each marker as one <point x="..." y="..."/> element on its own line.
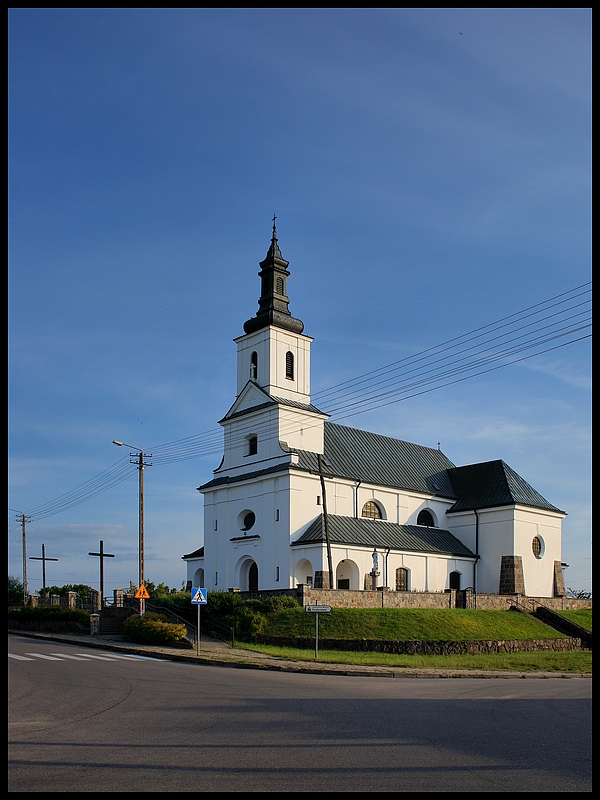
<point x="579" y="661"/>
<point x="404" y="623"/>
<point x="424" y="625"/>
<point x="583" y="617"/>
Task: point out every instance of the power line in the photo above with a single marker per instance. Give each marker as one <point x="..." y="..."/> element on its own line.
<point x="531" y="332"/>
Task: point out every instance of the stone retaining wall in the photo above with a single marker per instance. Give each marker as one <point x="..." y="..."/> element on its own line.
<point x="385" y="598"/>
<point x="413" y="647"/>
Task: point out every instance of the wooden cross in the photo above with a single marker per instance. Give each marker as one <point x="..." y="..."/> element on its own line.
<point x="43" y="559"/>
<point x="102" y="556"/>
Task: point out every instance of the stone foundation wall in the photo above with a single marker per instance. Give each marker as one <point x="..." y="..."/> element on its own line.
<point x="413" y="647"/>
<point x="386" y="598"/>
<point x="380" y="598"/>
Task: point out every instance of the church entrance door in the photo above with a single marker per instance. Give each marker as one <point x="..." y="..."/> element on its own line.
<point x="253" y="578"/>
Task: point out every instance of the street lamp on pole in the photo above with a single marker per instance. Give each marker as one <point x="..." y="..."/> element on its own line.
<point x="139" y="460"/>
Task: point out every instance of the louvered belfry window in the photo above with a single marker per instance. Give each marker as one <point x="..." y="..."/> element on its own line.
<point x="289" y="365"/>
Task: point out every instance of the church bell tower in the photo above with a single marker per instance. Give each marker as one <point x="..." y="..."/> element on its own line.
<point x="273" y="353"/>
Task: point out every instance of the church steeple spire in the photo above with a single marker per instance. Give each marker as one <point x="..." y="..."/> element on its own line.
<point x="273" y="302"/>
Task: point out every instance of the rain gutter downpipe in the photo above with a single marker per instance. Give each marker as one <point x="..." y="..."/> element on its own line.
<point x="476" y="550"/>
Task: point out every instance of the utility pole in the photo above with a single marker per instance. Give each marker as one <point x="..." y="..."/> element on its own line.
<point x="43" y="559"/>
<point x="24" y="519"/>
<point x="138" y="458"/>
<point x="326" y="521"/>
<point x="102" y="556"/>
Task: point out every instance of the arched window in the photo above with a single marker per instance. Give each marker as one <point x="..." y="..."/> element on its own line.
<point x="279" y="285"/>
<point x="371" y="510"/>
<point x="289" y="365"/>
<point x="426" y="518"/>
<point x="254" y="366"/>
<point x="401" y="579"/>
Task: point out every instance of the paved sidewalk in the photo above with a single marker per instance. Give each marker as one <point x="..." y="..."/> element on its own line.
<point x="216" y="653"/>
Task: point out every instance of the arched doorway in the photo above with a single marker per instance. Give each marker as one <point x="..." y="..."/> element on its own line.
<point x="304" y="572"/>
<point x="247" y="574"/>
<point x="347" y="575"/>
<point x="253" y="577"/>
<point x="454" y="580"/>
<point x="198" y="578"/>
<point x="402" y="579"/>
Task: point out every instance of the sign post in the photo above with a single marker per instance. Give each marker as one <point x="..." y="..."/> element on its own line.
<point x="142" y="595"/>
<point x="198" y="599"/>
<point x="316" y="610"/>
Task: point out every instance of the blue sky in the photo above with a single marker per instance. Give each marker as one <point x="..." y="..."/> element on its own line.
<point x="430" y="172"/>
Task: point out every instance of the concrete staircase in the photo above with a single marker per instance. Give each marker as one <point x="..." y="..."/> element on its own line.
<point x="111" y="621"/>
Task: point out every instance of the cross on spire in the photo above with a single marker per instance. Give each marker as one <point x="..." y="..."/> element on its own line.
<point x="273" y="302"/>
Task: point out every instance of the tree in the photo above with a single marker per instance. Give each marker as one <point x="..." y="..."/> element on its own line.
<point x="82" y="590"/>
<point x="580" y="594"/>
<point x="15" y="591"/>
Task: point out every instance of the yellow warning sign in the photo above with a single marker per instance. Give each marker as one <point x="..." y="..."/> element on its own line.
<point x="142" y="593"/>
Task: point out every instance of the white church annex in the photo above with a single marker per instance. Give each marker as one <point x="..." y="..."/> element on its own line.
<point x="297" y="499"/>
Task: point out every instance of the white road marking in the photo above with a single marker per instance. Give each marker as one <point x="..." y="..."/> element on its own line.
<point x="67" y="655"/>
<point x="83" y="657"/>
<point x="41" y="655"/>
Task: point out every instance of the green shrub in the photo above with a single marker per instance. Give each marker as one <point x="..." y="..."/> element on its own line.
<point x="154" y="628"/>
<point x="179" y="603"/>
<point x="249" y="618"/>
<point x="221" y="605"/>
<point x="278" y="602"/>
<point x="249" y="623"/>
<point x="49" y="614"/>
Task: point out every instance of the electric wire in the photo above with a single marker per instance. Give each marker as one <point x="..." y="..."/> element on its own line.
<point x="531" y="332"/>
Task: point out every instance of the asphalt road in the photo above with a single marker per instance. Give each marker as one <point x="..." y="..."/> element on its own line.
<point x="86" y="720"/>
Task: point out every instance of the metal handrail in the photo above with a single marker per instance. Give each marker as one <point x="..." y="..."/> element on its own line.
<point x="189" y="626"/>
<point x="225" y="632"/>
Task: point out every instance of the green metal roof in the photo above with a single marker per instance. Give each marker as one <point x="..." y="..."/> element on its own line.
<point x="365" y="532"/>
<point x="490" y="484"/>
<point x="381" y="461"/>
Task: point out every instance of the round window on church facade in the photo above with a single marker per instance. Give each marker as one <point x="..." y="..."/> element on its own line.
<point x="246" y="520"/>
<point x="537" y="545"/>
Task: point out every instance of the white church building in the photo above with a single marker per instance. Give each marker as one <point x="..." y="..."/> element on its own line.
<point x="297" y="499"/>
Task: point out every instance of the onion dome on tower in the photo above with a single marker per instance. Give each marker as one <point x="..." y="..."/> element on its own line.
<point x="273" y="302"/>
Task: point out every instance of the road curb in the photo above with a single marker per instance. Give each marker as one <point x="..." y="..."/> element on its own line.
<point x="218" y="654"/>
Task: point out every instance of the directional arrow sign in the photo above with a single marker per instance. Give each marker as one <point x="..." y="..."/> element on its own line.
<point x="318" y="609"/>
<point x="198" y="596"/>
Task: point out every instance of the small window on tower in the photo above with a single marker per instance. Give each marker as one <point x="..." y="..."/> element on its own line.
<point x="252" y="445"/>
<point x="279" y="285"/>
<point x="254" y="366"/>
<point x="289" y="365"/>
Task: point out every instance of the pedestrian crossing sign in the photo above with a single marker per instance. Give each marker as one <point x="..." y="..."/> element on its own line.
<point x="198" y="596"/>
